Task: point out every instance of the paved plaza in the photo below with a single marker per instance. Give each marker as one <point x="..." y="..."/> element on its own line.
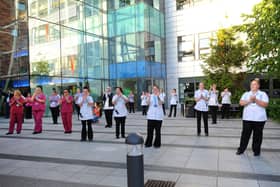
<point x="57" y="159"/>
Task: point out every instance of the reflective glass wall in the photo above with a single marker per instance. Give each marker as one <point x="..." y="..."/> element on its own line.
<point x="71" y="43"/>
<point x="67" y="44"/>
<point x="136" y="44"/>
<point x="14" y="59"/>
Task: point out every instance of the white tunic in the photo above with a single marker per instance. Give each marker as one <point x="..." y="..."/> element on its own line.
<point x="201" y="105"/>
<point x="86" y="110"/>
<point x="226" y="97"/>
<point x="120" y="108"/>
<point x="144" y="100"/>
<point x="252" y="111"/>
<point x="155" y="111"/>
<point x="213" y="98"/>
<point x="173" y="99"/>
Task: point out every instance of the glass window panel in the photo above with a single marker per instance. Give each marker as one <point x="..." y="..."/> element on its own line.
<point x="204" y="44"/>
<point x="73" y="53"/>
<point x="186" y="50"/>
<point x="72" y="14"/>
<point x="44" y="48"/>
<point x="94" y="20"/>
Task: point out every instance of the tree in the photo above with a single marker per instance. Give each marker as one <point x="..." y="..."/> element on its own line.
<point x="263" y="30"/>
<point x="41" y="68"/>
<point x="224" y="64"/>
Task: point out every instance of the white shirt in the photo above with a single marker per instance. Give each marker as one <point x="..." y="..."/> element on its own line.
<point x="162" y="96"/>
<point x="144" y="100"/>
<point x="173" y="99"/>
<point x="120" y="108"/>
<point x="226" y="97"/>
<point x="106" y="105"/>
<point x="76" y="97"/>
<point x="201" y="105"/>
<point x="155" y="111"/>
<point x="213" y="98"/>
<point x="252" y="111"/>
<point x="86" y="110"/>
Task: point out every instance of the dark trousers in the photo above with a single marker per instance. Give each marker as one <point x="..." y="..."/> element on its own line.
<point x="225" y="110"/>
<point x="120" y="121"/>
<point x="86" y="130"/>
<point x="205" y="120"/>
<point x="163" y="108"/>
<point x="55" y="113"/>
<point x="144" y="110"/>
<point x="171" y="109"/>
<point x="248" y="127"/>
<point x="109" y="117"/>
<point x="77" y="107"/>
<point x="7" y="114"/>
<point x="151" y="126"/>
<point x="131" y="107"/>
<point x="28" y="112"/>
<point x="213" y="112"/>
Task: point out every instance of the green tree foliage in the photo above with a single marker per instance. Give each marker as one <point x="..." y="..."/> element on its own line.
<point x="41" y="68"/>
<point x="263" y="30"/>
<point x="224" y="64"/>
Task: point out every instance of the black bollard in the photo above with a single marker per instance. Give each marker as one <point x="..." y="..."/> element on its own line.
<point x="135" y="161"/>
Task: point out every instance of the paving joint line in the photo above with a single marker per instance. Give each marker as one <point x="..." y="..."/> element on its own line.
<point x="148" y="167"/>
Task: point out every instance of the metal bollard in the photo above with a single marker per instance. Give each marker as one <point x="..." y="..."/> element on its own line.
<point x="135" y="162"/>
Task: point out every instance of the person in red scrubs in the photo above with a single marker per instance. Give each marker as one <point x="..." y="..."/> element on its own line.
<point x="16" y="112"/>
<point x="66" y="103"/>
<point x="38" y="109"/>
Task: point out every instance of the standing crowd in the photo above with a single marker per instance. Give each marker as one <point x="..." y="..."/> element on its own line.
<point x="153" y="106"/>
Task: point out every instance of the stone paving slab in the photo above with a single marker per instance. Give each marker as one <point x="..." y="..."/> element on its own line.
<point x="56" y="158"/>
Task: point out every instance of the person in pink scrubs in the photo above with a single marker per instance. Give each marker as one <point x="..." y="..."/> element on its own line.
<point x="38" y="109"/>
<point x="16" y="112"/>
<point x="66" y="103"/>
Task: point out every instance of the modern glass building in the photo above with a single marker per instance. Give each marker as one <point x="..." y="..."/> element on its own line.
<point x="71" y="43"/>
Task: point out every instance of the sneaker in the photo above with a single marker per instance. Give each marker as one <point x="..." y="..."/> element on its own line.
<point x="239" y="152"/>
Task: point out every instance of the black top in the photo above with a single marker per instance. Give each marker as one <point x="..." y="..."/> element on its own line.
<point x="110" y="99"/>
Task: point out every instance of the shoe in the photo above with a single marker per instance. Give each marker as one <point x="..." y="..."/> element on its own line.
<point x="8" y="133"/>
<point x="18" y="132"/>
<point x="147" y="146"/>
<point x="257" y="154"/>
<point x="123" y="137"/>
<point x="90" y="140"/>
<point x="206" y="134"/>
<point x="198" y="134"/>
<point x="117" y="137"/>
<point x="156" y="147"/>
<point x="83" y="140"/>
<point x="37" y="132"/>
<point x="239" y="152"/>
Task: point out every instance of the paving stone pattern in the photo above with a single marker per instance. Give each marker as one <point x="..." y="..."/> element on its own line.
<point x="57" y="159"/>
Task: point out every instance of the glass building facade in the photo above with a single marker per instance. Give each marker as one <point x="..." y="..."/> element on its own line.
<point x="72" y="43"/>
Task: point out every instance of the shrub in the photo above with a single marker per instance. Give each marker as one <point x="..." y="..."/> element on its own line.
<point x="273" y="109"/>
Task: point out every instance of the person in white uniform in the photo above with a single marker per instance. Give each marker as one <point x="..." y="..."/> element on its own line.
<point x="108" y="107"/>
<point x="254" y="117"/>
<point x="173" y="103"/>
<point x="162" y="97"/>
<point x="213" y="102"/>
<point x="144" y="103"/>
<point x="86" y="103"/>
<point x="120" y="111"/>
<point x="226" y="102"/>
<point x="155" y="117"/>
<point x="201" y="97"/>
